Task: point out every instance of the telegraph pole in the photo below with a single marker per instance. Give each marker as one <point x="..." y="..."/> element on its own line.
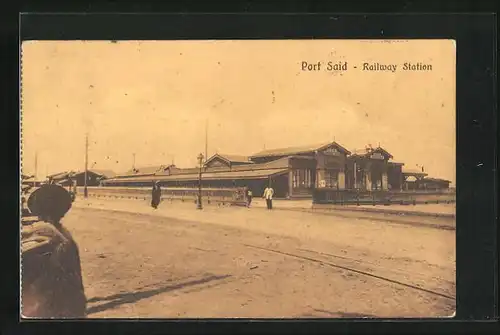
<point x="85" y="191"/>
<point x="200" y="160"/>
<point x="36" y="169"/>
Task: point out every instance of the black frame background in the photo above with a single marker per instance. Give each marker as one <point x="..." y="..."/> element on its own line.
<point x="477" y="262"/>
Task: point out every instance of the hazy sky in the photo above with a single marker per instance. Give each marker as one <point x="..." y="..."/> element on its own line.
<point x="153" y="98"/>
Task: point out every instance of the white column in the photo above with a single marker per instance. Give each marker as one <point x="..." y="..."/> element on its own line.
<point x="384" y="181"/>
<point x="368" y="181"/>
<point x="320" y="178"/>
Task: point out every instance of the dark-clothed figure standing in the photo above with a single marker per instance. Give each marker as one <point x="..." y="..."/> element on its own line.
<point x="155" y="195"/>
<point x="268" y="195"/>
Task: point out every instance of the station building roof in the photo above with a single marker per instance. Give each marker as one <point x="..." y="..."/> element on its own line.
<point x="145" y="171"/>
<point x="281" y="163"/>
<point x="230" y="158"/>
<point x="370" y="151"/>
<point x="410" y="172"/>
<point x="214" y="175"/>
<point x="288" y="151"/>
<point x="437" y="180"/>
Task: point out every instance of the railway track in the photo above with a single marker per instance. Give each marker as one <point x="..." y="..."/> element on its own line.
<point x="365" y="272"/>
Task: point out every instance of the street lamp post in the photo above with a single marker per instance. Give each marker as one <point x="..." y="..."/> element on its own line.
<point x="85" y="191"/>
<point x="200" y="159"/>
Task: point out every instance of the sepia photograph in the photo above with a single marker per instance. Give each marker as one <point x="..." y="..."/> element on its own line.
<point x="238" y="179"/>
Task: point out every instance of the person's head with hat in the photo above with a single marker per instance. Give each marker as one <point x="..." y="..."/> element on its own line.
<point x="50" y="203"/>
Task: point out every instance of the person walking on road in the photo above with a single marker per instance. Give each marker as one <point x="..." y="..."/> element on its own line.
<point x="268" y="195"/>
<point x="155" y="195"/>
<point x="249" y="197"/>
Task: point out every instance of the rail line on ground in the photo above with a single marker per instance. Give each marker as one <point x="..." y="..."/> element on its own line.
<point x="443" y="295"/>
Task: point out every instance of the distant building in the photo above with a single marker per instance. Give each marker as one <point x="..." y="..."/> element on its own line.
<point x="418" y="180"/>
<point x="29" y="181"/>
<point x="58" y="178"/>
<point x="435" y="184"/>
<point x="68" y="178"/>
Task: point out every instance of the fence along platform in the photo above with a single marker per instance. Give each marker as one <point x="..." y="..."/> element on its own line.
<point x="349" y="197"/>
<point x="218" y="196"/>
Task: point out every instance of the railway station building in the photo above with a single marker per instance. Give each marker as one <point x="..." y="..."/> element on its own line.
<point x="293" y="172"/>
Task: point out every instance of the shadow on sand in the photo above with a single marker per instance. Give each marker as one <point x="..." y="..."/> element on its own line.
<point x="131" y="297"/>
<point x="341" y="315"/>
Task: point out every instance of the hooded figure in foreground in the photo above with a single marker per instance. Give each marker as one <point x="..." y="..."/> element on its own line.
<point x="52" y="285"/>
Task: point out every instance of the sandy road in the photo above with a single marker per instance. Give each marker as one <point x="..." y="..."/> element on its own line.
<point x="239" y="262"/>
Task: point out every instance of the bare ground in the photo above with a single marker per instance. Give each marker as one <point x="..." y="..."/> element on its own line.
<point x="240" y="262"/>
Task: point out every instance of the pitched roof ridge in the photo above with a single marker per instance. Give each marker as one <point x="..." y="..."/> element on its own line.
<point x="296" y="149"/>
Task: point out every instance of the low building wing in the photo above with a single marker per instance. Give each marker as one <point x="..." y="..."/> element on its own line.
<point x="224" y="175"/>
